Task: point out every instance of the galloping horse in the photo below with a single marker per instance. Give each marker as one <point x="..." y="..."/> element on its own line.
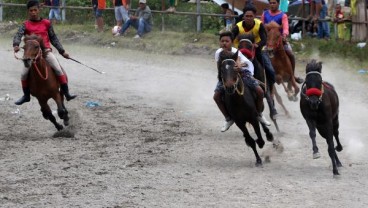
<point x="319" y="105"/>
<point x="240" y="102"/>
<point x="281" y="63"/>
<point x="247" y="48"/>
<point x="42" y="80"/>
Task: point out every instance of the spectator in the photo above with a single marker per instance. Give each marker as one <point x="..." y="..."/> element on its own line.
<point x="94" y="6"/>
<point x="142" y="21"/>
<point x="323" y="30"/>
<point x="121" y="11"/>
<point x="284" y="6"/>
<point x="98" y="7"/>
<point x="339" y="20"/>
<point x="228" y="20"/>
<point x="172" y="5"/>
<point x="54" y="14"/>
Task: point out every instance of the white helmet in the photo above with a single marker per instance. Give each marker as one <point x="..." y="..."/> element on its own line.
<point x="115" y="29"/>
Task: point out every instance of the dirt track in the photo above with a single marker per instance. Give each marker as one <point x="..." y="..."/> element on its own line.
<point x="154" y="141"/>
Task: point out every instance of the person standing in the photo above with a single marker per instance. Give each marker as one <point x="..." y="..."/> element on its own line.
<point x="121" y="8"/>
<point x="42" y="27"/>
<point x="339" y="20"/>
<point x="98" y="7"/>
<point x="228" y="19"/>
<point x="54" y="14"/>
<point x="142" y="21"/>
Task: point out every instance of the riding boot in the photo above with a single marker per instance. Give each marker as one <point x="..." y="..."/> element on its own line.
<point x="25" y="98"/>
<point x="64" y="87"/>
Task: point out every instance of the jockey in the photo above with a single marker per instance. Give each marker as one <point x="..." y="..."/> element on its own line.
<point x="247" y="70"/>
<point x="42" y="27"/>
<point x="274" y="15"/>
<point x="251" y="25"/>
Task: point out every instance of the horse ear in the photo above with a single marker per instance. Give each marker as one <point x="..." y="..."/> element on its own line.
<point x="235" y="55"/>
<point x="320" y="67"/>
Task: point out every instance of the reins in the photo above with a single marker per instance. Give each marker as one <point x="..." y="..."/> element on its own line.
<point x="240" y="92"/>
<point x="39" y="54"/>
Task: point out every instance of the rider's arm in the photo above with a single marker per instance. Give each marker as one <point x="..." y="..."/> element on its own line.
<point x="235" y="31"/>
<point x="55" y="41"/>
<point x="18" y="36"/>
<point x="285" y="25"/>
<point x="246" y="63"/>
<point x="263" y="36"/>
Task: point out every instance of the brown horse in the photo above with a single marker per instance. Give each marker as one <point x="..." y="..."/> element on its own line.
<point x="43" y="82"/>
<point x="281" y="63"/>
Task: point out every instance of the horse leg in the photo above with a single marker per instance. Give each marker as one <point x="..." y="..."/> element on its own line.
<point x="312" y="135"/>
<point x="332" y="153"/>
<point x="251" y="143"/>
<point x="296" y="88"/>
<point x="272" y="108"/>
<point x="336" y="133"/>
<point x="279" y="101"/>
<point x="62" y="112"/>
<point x="47" y="114"/>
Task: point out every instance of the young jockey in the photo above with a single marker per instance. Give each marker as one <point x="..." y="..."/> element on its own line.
<point x="274" y="15"/>
<point x="252" y="25"/>
<point x="42" y="27"/>
<point x="247" y="70"/>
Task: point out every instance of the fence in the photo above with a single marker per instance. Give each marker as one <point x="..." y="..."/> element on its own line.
<point x="198" y="15"/>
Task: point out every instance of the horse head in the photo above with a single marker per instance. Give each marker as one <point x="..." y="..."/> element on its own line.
<point x="274" y="40"/>
<point x="33" y="49"/>
<point x="246" y="46"/>
<point x="313" y="84"/>
<point x="227" y="66"/>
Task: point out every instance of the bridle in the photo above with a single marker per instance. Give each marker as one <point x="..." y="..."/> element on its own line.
<point x="278" y="43"/>
<point x="313" y="91"/>
<point x="34" y="60"/>
<point x="235" y="86"/>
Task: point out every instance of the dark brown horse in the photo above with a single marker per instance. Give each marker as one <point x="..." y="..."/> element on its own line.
<point x="42" y="80"/>
<point x="240" y="102"/>
<point x="246" y="47"/>
<point x="281" y="63"/>
<point x="319" y="105"/>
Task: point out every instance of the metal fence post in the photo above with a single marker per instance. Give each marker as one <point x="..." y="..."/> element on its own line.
<point x="63" y="10"/>
<point x="1" y="11"/>
<point x="198" y="15"/>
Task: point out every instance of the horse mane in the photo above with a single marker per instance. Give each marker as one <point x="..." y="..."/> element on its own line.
<point x="273" y="25"/>
<point x="313" y="65"/>
<point x="39" y="40"/>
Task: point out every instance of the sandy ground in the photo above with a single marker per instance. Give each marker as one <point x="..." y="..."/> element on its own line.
<point x="155" y="141"/>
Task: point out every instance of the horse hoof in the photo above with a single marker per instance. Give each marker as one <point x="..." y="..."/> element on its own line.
<point x="259" y="163"/>
<point x="339" y="165"/>
<point x="295" y="98"/>
<point x="260" y="143"/>
<point x="338" y="148"/>
<point x="269" y="137"/>
<point x="316" y="155"/>
<point x="60" y="127"/>
<point x="66" y="122"/>
<point x="336" y="173"/>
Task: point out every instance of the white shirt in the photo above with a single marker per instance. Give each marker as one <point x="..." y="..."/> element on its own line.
<point x="247" y="65"/>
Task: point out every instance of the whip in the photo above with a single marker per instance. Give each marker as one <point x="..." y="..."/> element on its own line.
<point x="101" y="72"/>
